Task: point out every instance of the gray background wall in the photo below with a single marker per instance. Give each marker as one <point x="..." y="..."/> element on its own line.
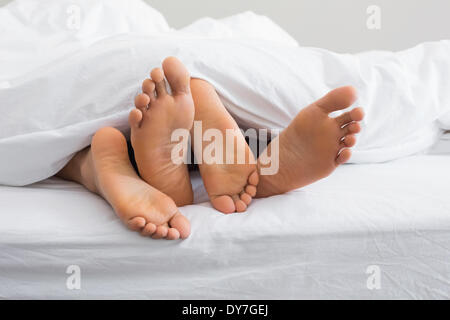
<point x="339" y="25"/>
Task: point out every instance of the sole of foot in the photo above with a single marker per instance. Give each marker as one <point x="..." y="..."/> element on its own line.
<point x="156" y="117"/>
<point x="313" y="145"/>
<point x="140" y="206"/>
<point x="231" y="185"/>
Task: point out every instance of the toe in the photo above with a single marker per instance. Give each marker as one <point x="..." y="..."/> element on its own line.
<point x="135" y="118"/>
<point x="251" y="190"/>
<point x="161" y="232"/>
<point x="351" y="128"/>
<point x="136" y="224"/>
<point x="177" y="75"/>
<point x="337" y="99"/>
<point x="173" y="234"/>
<point x="253" y="179"/>
<point x="240" y="206"/>
<point x="343" y="156"/>
<point x="356" y="114"/>
<point x="181" y="223"/>
<point x="148" y="230"/>
<point x="141" y="101"/>
<point x="246" y="198"/>
<point x="148" y="87"/>
<point x="224" y="204"/>
<point x="348" y="141"/>
<point x="160" y="84"/>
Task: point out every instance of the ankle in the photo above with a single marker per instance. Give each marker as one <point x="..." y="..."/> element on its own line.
<point x="80" y="169"/>
<point x="87" y="172"/>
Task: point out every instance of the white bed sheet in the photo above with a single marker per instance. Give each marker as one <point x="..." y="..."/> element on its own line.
<point x="312" y="243"/>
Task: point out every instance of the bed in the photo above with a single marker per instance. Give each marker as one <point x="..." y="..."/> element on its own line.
<point x="368" y="231"/>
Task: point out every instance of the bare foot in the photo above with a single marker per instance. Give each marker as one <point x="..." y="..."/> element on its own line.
<point x="106" y="170"/>
<point x="152" y="123"/>
<point x="314" y="144"/>
<point x="230" y="186"/>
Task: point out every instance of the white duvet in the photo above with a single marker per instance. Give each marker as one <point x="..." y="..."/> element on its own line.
<point x="69" y="68"/>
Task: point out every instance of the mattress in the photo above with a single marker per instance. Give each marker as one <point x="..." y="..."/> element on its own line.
<point x="369" y="231"/>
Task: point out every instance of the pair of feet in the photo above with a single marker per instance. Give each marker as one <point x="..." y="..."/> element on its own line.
<point x="309" y="149"/>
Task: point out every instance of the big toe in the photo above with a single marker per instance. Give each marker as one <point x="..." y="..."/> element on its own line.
<point x="177" y="75"/>
<point x="337" y="99"/>
<point x="224" y="204"/>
